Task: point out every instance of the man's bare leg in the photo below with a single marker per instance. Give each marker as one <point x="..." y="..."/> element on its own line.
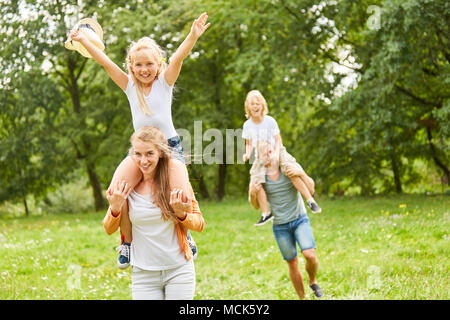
<point x="296" y="277"/>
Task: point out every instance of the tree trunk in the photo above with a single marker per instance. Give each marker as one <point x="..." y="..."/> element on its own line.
<point x="218" y="108"/>
<point x="396" y="170"/>
<point x="27" y="212"/>
<point x="100" y="203"/>
<point x="203" y="188"/>
<point x="435" y="157"/>
<point x="221" y="185"/>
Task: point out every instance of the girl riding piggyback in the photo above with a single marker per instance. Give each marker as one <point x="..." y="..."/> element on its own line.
<point x="262" y="127"/>
<point x="148" y="85"/>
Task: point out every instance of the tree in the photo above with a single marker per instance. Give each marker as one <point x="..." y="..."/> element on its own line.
<point x="250" y="45"/>
<point x="33" y="35"/>
<point x="30" y="151"/>
<point x="397" y="112"/>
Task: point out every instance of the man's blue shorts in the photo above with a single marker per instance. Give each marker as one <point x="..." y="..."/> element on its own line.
<point x="289" y="234"/>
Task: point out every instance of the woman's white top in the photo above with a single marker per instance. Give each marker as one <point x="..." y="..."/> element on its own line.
<point x="159" y="101"/>
<point x="155" y="242"/>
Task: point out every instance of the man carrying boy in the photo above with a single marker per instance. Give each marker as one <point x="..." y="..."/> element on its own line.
<point x="291" y="222"/>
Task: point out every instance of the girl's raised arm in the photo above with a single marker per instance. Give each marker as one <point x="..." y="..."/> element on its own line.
<point x="173" y="70"/>
<point x="116" y="74"/>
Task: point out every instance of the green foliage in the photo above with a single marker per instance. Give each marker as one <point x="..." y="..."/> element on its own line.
<point x="30" y="148"/>
<point x="73" y="198"/>
<point x="397" y="111"/>
<point x="362" y="137"/>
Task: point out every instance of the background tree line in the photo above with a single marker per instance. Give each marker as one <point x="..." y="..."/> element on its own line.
<point x="360" y="90"/>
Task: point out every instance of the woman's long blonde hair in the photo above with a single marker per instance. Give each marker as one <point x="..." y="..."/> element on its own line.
<point x="162" y="188"/>
<point x="258" y="95"/>
<point x="160" y="54"/>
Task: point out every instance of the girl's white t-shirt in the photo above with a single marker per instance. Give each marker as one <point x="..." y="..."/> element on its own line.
<point x="159" y="101"/>
<point x="266" y="130"/>
<point x="155" y="242"/>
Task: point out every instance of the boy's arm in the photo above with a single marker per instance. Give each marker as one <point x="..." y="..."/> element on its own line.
<point x="116" y="74"/>
<point x="173" y="70"/>
<point x="248" y="149"/>
<point x="278" y="144"/>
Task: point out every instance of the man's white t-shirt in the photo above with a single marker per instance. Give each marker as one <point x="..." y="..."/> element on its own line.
<point x="266" y="130"/>
<point x="159" y="101"/>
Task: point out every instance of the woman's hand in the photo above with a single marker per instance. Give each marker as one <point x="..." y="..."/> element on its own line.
<point x="199" y="26"/>
<point x="178" y="205"/>
<point x="117" y="195"/>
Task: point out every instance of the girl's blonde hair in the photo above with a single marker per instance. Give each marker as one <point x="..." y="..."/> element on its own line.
<point x="160" y="55"/>
<point x="162" y="189"/>
<point x="255" y="94"/>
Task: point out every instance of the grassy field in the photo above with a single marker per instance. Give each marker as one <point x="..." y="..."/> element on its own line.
<point x="395" y="247"/>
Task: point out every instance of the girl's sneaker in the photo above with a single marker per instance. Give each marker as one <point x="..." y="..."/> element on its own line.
<point x="192" y="245"/>
<point x="123" y="261"/>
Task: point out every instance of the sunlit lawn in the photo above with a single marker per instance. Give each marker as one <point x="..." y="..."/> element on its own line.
<point x="394" y="247"/>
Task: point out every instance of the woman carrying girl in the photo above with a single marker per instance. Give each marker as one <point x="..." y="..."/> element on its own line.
<point x="148" y="85"/>
<point x="162" y="261"/>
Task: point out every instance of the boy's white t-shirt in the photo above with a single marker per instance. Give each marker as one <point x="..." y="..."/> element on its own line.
<point x="266" y="130"/>
<point x="159" y="101"/>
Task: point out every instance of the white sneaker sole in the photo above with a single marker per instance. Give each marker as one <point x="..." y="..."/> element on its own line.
<point x="123" y="266"/>
<point x="263" y="223"/>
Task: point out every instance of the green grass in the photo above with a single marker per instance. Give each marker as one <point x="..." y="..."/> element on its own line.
<point x="387" y="247"/>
